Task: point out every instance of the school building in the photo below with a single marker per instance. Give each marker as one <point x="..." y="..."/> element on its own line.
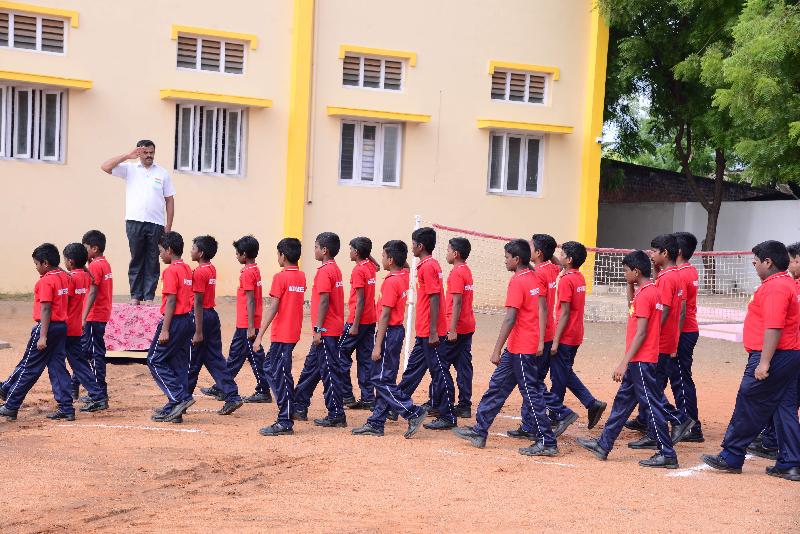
<point x="293" y="117"/>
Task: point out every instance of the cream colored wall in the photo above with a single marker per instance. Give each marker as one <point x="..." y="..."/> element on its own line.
<point x="126" y="50"/>
<point x="444" y="162"/>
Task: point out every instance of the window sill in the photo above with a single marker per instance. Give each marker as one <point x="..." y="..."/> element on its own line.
<point x="514" y="194"/>
<point x="348" y="183"/>
<point x="31" y="160"/>
<point x="201" y="173"/>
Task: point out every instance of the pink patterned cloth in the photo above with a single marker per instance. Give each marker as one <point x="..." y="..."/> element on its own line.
<point x="131" y="327"/>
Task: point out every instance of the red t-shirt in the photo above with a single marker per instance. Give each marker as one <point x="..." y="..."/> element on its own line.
<point x="329" y="280"/>
<point x="548" y="272"/>
<point x="773" y="305"/>
<point x="691" y="283"/>
<point x="363" y="276"/>
<point x="572" y="289"/>
<point x="100" y="270"/>
<point x="289" y="286"/>
<point x="177" y="280"/>
<point x="79" y="282"/>
<point x="394" y="292"/>
<point x="52" y="287"/>
<point x="459" y="282"/>
<point x="429" y="282"/>
<point x="645" y="303"/>
<point x="670" y="287"/>
<point x="524" y="290"/>
<point x="204" y="280"/>
<point x="249" y="280"/>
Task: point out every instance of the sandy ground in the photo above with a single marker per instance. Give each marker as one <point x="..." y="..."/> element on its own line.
<point x="117" y="470"/>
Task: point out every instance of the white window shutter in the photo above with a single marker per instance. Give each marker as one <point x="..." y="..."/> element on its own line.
<point x="233" y="142"/>
<point x="185" y="141"/>
<point x="208" y="140"/>
<point x="368" y="152"/>
<point x="23" y="120"/>
<point x="187" y="52"/>
<point x="391" y="154"/>
<point x="52" y="31"/>
<point x="210" y="55"/>
<point x="372" y="72"/>
<point x="234" y="57"/>
<point x="4" y="24"/>
<point x="351" y="70"/>
<point x="347" y="151"/>
<point x="24" y="32"/>
<point x="50" y="118"/>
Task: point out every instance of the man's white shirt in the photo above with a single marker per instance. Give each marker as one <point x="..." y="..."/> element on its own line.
<point x="145" y="191"/>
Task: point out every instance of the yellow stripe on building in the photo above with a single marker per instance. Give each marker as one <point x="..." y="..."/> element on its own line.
<point x="383" y="52"/>
<point x="222" y="34"/>
<point x="55" y="81"/>
<point x="43" y="10"/>
<point x="194" y="96"/>
<point x="378" y="115"/>
<point x="524" y="67"/>
<point x="492" y="124"/>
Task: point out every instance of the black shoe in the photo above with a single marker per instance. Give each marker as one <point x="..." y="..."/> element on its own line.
<point x="258" y="398"/>
<point x="177" y="420"/>
<point x="367" y="430"/>
<point x="758" y="449"/>
<point x="229" y="407"/>
<point x="75" y="395"/>
<point x="522" y="434"/>
<point x="415" y="422"/>
<point x="463" y="412"/>
<point x="434" y="412"/>
<point x="59" y="415"/>
<point x="679" y="431"/>
<point x="95" y="406"/>
<point x="439" y="424"/>
<point x="694" y="436"/>
<point x="86" y="398"/>
<point x="276" y="429"/>
<point x="300" y="415"/>
<point x="718" y="462"/>
<point x="659" y="460"/>
<point x="178" y="410"/>
<point x="595" y="413"/>
<point x="592" y="446"/>
<point x="213" y="392"/>
<point x="392" y="416"/>
<point x="467" y="433"/>
<point x="644" y="443"/>
<point x="792" y="473"/>
<point x="564" y="424"/>
<point x="331" y="422"/>
<point x="11" y="415"/>
<point x="349" y="402"/>
<point x="634" y="424"/>
<point x="538" y="449"/>
<point x="427" y="405"/>
<point x="361" y="404"/>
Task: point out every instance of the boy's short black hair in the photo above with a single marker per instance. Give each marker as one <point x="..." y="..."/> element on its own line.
<point x="145" y="143"/>
<point x="519" y="248"/>
<point x="638" y="259"/>
<point x="426" y="237"/>
<point x="462" y="246"/>
<point x="47" y="252"/>
<point x="687" y="244"/>
<point x="666" y="242"/>
<point x="95" y="238"/>
<point x="363" y="246"/>
<point x="546" y="244"/>
<point x="575" y="251"/>
<point x="793" y="249"/>
<point x="207" y="245"/>
<point x="247" y="245"/>
<point x="330" y="241"/>
<point x="775" y="251"/>
<point x="77" y="253"/>
<point x="397" y="250"/>
<point x="172" y="240"/>
<point x="291" y="248"/>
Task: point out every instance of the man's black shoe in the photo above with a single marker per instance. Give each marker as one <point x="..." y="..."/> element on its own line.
<point x="679" y="431"/>
<point x="349" y="402"/>
<point x="427" y="405"/>
<point x="463" y="412"/>
<point x="392" y="416"/>
<point x="367" y="430"/>
<point x="792" y="473"/>
<point x="11" y="415"/>
<point x="644" y="443"/>
<point x="230" y="406"/>
<point x="595" y="413"/>
<point x="86" y="398"/>
<point x="564" y="424"/>
<point x="415" y="422"/>
<point x="659" y="460"/>
<point x="467" y="433"/>
<point x="522" y="434"/>
<point x="213" y="392"/>
<point x="300" y="415"/>
<point x="718" y="462"/>
<point x="95" y="406"/>
<point x="592" y="446"/>
<point x="439" y="424"/>
<point x="258" y="398"/>
<point x="538" y="449"/>
<point x="361" y="404"/>
<point x="276" y="429"/>
<point x="634" y="424"/>
<point x="758" y="449"/>
<point x="331" y="422"/>
<point x="59" y="415"/>
<point x="178" y="410"/>
<point x="694" y="436"/>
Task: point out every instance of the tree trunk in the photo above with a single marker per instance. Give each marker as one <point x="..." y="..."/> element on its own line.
<point x="709" y="262"/>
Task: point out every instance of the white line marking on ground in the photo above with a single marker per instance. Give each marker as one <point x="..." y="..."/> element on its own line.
<point x="452" y="453"/>
<point x="501" y="434"/>
<point x="698" y="468"/>
<point x="511" y="417"/>
<point x="545" y="462"/>
<point x="132" y="427"/>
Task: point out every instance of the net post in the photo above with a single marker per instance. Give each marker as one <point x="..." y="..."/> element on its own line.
<point x="411" y="300"/>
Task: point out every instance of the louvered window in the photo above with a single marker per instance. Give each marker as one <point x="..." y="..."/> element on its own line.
<point x="209" y="139"/>
<point x="213" y="55"/>
<point x="369" y="153"/>
<point x="31" y="32"/>
<point x="515" y="163"/>
<point x="372" y="72"/>
<point x="31" y="123"/>
<point x="512" y="86"/>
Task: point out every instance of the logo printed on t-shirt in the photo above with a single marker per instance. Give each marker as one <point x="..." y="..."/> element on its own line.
<point x="297" y="289"/>
<point x="468" y="287"/>
<point x="63" y="291"/>
<point x="212" y="281"/>
<point x="107" y="276"/>
<point x="187" y="281"/>
<point x="339" y="284"/>
<point x="80" y="291"/>
<point x="371" y="282"/>
<point x="581" y="289"/>
<point x="534" y="291"/>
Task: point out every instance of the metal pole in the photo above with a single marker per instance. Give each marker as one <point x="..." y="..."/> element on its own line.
<point x="411" y="301"/>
